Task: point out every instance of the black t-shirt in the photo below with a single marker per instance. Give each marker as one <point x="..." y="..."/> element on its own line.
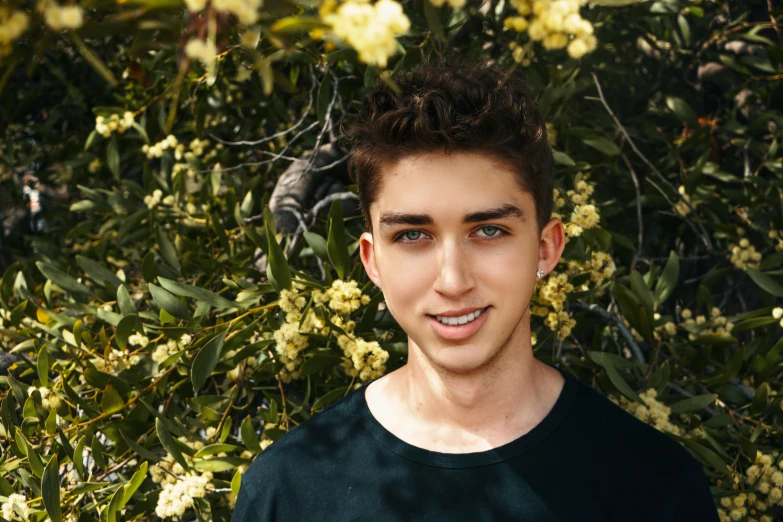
<point x="587" y="460"/>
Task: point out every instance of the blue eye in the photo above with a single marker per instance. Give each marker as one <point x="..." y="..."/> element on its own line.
<point x="492" y="227"/>
<point x="403" y="237"/>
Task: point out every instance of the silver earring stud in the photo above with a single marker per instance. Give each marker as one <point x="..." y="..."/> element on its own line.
<point x="540" y="273"/>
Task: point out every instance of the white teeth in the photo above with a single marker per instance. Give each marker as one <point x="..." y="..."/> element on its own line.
<point x="463" y="319"/>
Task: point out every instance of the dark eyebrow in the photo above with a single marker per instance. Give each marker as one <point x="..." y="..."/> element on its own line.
<point x="508" y="210"/>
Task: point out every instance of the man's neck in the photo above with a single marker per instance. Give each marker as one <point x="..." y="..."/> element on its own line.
<point x="461" y="413"/>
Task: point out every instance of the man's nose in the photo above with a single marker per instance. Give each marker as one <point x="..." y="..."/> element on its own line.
<point x="455" y="270"/>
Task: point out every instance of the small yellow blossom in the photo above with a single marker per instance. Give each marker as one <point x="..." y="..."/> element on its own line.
<point x="371" y="29"/>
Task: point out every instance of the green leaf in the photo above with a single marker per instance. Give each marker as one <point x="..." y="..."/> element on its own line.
<point x="115" y="504"/>
<point x="141" y="131"/>
<point x="98" y="273"/>
<point x="93" y="59"/>
<point x="765" y="282"/>
<point x="714" y="339"/>
<point x="277" y="269"/>
<point x="149" y="270"/>
<point x="297" y="24"/>
<point x="206" y="360"/>
<point x="43" y="366"/>
<point x="236" y="481"/>
<point x="561" y="158"/>
<point x="668" y="279"/>
<point x="752" y="324"/>
<point x="51" y="422"/>
<point x="214" y="449"/>
<point x="113" y="156"/>
<point x="50" y="489"/>
<point x="319" y="363"/>
<point x="125" y="328"/>
<point x="168" y="302"/>
<point x="249" y="437"/>
<point x="167" y="250"/>
<point x="169" y="444"/>
<point x="246" y="208"/>
<point x="97" y="453"/>
<point x="324" y="97"/>
<point x="699" y="402"/>
<point x="218" y="464"/>
<point x="78" y="456"/>
<point x="111" y="401"/>
<point x="329" y="397"/>
<point x="90" y="139"/>
<point x="432" y="15"/>
<point x="619" y="382"/>
<point x="138" y="448"/>
<point x="682" y="110"/>
<point x="134" y="483"/>
<point x="643" y="294"/>
<point x="705" y="455"/>
<point x="602" y="144"/>
<point x="125" y="302"/>
<point x="731" y="369"/>
<point x="318" y="244"/>
<point x="202" y="294"/>
<point x="760" y="398"/>
<point x="61" y="279"/>
<point x="335" y="244"/>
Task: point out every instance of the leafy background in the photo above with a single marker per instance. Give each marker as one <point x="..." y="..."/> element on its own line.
<point x="180" y="280"/>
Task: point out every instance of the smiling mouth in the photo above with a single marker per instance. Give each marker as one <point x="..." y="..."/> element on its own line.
<point x="461" y="320"/>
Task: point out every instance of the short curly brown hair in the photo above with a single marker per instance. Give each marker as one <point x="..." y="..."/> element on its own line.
<point x="449" y="104"/>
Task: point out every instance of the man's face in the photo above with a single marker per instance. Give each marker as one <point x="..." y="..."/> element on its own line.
<point x="450" y="258"/>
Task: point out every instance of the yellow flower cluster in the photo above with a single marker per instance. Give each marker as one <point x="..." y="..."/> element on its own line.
<point x="681" y="207"/>
<point x="777" y="313"/>
<point x="553" y="23"/>
<point x="203" y="51"/>
<point x="584" y="217"/>
<point x="12" y="24"/>
<point x="15" y="508"/>
<point x="168" y="469"/>
<point x="346" y="297"/>
<point x="652" y="411"/>
<point x="178" y="497"/>
<point x="106" y="126"/>
<point x="766" y="478"/>
<point x="343" y="298"/>
<point x="367" y="360"/>
<point x="744" y="255"/>
<point x="61" y="17"/>
<point x="371" y="29"/>
<point x="165" y="350"/>
<point x="246" y="11"/>
<point x="549" y="302"/>
<point x="116" y="362"/>
<point x="715" y="325"/>
<point x="156" y="150"/>
<point x="772" y="234"/>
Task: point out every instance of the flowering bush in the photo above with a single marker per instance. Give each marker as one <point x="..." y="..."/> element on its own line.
<point x="158" y="329"/>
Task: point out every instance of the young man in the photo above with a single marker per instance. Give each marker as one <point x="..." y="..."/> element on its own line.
<point x="455" y="182"/>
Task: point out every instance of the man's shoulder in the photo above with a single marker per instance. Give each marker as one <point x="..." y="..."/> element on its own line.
<point x="617" y="431"/>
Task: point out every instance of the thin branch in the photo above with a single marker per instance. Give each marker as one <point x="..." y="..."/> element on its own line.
<point x="605" y="315"/>
<point x="704" y="235"/>
<point x="639" y="220"/>
<point x="281" y="133"/>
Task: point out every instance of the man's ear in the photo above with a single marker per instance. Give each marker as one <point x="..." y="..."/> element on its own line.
<point x="367" y="253"/>
<point x="551" y="246"/>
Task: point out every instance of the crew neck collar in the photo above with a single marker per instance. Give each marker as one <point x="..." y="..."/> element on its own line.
<point x="467" y="460"/>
